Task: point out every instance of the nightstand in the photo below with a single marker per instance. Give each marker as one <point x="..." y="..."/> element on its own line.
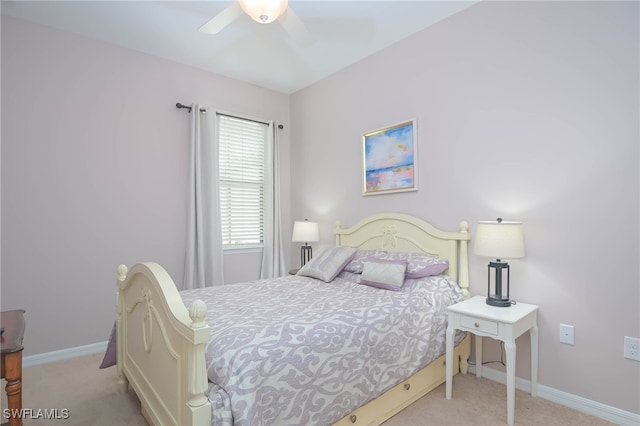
<point x="505" y="324"/>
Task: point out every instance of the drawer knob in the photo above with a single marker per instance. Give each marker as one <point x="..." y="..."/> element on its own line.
<point x="407" y="386"/>
<point x="353" y="418"/>
<point x="477" y="325"/>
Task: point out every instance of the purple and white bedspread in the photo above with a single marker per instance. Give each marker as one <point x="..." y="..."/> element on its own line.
<point x="298" y="351"/>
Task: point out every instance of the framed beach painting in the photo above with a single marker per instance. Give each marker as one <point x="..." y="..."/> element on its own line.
<point x="390" y="159"/>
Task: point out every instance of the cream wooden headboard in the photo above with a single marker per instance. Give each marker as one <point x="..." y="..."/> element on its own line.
<point x="397" y="232"/>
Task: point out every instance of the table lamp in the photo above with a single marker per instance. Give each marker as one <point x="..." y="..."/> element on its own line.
<point x="305" y="232"/>
<point x="499" y="239"/>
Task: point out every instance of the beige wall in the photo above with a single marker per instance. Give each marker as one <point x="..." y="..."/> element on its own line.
<point x="528" y="111"/>
<point x="94" y="174"/>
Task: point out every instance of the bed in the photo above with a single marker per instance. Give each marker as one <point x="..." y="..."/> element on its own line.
<point x="166" y="353"/>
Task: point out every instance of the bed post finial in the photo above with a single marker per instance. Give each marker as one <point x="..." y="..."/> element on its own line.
<point x="197" y="312"/>
<point x="122" y="272"/>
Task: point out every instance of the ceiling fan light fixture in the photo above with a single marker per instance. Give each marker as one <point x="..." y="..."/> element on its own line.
<point x="264" y="11"/>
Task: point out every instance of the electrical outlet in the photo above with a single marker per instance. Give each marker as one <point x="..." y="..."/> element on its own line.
<point x="566" y="334"/>
<point x="632" y="348"/>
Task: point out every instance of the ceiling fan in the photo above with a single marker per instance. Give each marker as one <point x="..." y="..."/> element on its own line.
<point x="264" y="12"/>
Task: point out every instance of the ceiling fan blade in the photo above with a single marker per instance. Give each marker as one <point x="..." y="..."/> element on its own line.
<point x="294" y="26"/>
<point x="222" y="19"/>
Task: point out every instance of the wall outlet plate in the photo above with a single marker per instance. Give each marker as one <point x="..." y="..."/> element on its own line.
<point x="632" y="348"/>
<point x="566" y="334"/>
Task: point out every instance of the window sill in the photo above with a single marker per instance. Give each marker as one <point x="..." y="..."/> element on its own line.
<point x="242" y="250"/>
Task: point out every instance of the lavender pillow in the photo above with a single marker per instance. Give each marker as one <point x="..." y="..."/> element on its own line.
<point x="357" y="262"/>
<point x="328" y="264"/>
<point x="418" y="265"/>
<point x="422" y="265"/>
<point x="388" y="275"/>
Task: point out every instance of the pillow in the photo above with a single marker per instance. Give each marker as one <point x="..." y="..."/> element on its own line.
<point x="383" y="274"/>
<point x="361" y="256"/>
<point x="329" y="264"/>
<point x="418" y="265"/>
<point x="422" y="265"/>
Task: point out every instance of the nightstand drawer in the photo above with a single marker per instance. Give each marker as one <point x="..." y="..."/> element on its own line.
<point x="485" y="326"/>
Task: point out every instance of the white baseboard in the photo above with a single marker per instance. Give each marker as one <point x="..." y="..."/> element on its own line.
<point x="606" y="412"/>
<point x="29" y="361"/>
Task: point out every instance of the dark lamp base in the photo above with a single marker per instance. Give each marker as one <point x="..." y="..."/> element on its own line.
<point x="503" y="303"/>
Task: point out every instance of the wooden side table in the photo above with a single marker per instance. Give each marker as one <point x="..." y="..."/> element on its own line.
<point x="501" y="323"/>
<point x="11" y="366"/>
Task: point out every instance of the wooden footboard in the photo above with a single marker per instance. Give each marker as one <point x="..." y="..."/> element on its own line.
<point x="406" y="393"/>
<point x="161" y="347"/>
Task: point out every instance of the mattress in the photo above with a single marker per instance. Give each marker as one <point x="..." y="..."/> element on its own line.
<point x="296" y="350"/>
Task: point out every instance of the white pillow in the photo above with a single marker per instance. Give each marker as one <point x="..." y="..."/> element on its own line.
<point x="328" y="264"/>
<point x="381" y="274"/>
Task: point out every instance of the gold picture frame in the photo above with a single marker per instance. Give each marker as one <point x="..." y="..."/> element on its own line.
<point x="389" y="159"/>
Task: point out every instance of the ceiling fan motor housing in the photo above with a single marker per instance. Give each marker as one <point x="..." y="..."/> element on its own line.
<point x="264" y="11"/>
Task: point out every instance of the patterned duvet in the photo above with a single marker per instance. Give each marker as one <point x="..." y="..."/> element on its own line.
<point x="298" y="351"/>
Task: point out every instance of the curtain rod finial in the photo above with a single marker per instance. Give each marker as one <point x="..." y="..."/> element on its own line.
<point x="181" y="106"/>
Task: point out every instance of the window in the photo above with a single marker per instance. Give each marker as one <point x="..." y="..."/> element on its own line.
<point x="242" y="153"/>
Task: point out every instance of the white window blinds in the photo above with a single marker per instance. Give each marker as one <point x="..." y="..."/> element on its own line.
<point x="242" y="152"/>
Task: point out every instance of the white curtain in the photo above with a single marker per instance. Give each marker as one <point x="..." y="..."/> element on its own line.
<point x="273" y="264"/>
<point x="203" y="261"/>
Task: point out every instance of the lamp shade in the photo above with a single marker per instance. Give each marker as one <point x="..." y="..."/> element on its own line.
<point x="499" y="239"/>
<point x="264" y="11"/>
<point x="305" y="232"/>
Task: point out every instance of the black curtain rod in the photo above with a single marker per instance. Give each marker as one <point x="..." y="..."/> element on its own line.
<point x="187" y="107"/>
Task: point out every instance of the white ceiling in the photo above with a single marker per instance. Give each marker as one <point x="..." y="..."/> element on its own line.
<point x="265" y="55"/>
